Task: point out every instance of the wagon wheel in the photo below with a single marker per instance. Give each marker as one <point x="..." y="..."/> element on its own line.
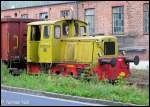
<point x="14" y="71"/>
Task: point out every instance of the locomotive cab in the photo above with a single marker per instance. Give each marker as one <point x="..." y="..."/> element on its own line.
<point x="44" y="40"/>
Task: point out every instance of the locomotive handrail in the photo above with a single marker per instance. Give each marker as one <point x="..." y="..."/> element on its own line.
<point x="8" y="35"/>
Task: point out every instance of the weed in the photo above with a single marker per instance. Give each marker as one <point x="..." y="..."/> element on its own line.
<point x="78" y="87"/>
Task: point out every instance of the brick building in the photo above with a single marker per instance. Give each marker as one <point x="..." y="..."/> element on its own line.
<point x="127" y="20"/>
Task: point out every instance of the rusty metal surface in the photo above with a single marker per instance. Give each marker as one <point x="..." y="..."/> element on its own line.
<point x="13" y="38"/>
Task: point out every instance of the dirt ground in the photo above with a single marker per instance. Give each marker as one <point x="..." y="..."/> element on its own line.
<point x="140" y="74"/>
<point x="140" y="77"/>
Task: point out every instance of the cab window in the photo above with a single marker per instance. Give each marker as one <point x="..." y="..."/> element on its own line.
<point x="35" y="33"/>
<point x="76" y="26"/>
<point x="82" y="30"/>
<point x="57" y="31"/>
<point x="46" y="31"/>
<point x="65" y="29"/>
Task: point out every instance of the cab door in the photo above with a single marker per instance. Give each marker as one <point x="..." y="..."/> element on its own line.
<point x="33" y="40"/>
<point x="13" y="40"/>
<point x="45" y="48"/>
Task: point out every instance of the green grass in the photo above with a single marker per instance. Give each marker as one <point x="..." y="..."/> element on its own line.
<point x="68" y="85"/>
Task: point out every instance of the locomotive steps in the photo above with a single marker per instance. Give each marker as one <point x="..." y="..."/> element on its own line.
<point x="69" y="97"/>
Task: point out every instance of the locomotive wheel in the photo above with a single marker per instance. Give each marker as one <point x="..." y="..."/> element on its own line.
<point x="44" y="68"/>
<point x="75" y="77"/>
<point x="79" y="71"/>
<point x="113" y="82"/>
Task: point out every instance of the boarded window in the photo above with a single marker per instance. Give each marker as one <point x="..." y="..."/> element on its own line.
<point x="89" y="18"/>
<point x="35" y="33"/>
<point x="46" y="31"/>
<point x="146" y="18"/>
<point x="7" y="16"/>
<point x="118" y="20"/>
<point x="43" y="15"/>
<point x="24" y="16"/>
<point x="57" y="31"/>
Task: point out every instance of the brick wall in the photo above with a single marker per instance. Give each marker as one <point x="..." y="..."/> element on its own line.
<point x="33" y="12"/>
<point x="133" y="20"/>
<point x="133" y="23"/>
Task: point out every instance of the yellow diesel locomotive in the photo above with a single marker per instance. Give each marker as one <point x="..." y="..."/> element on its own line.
<point x="64" y="47"/>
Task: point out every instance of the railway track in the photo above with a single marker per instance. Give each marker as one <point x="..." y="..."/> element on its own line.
<point x="138" y="83"/>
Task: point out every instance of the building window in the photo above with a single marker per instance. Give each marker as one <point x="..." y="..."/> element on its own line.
<point x="89" y="18"/>
<point x="64" y="13"/>
<point x="24" y="16"/>
<point x="118" y="20"/>
<point x="146" y="18"/>
<point x="15" y="14"/>
<point x="43" y="15"/>
<point x="7" y="16"/>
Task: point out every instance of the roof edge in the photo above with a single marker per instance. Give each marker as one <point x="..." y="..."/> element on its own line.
<point x="38" y="6"/>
